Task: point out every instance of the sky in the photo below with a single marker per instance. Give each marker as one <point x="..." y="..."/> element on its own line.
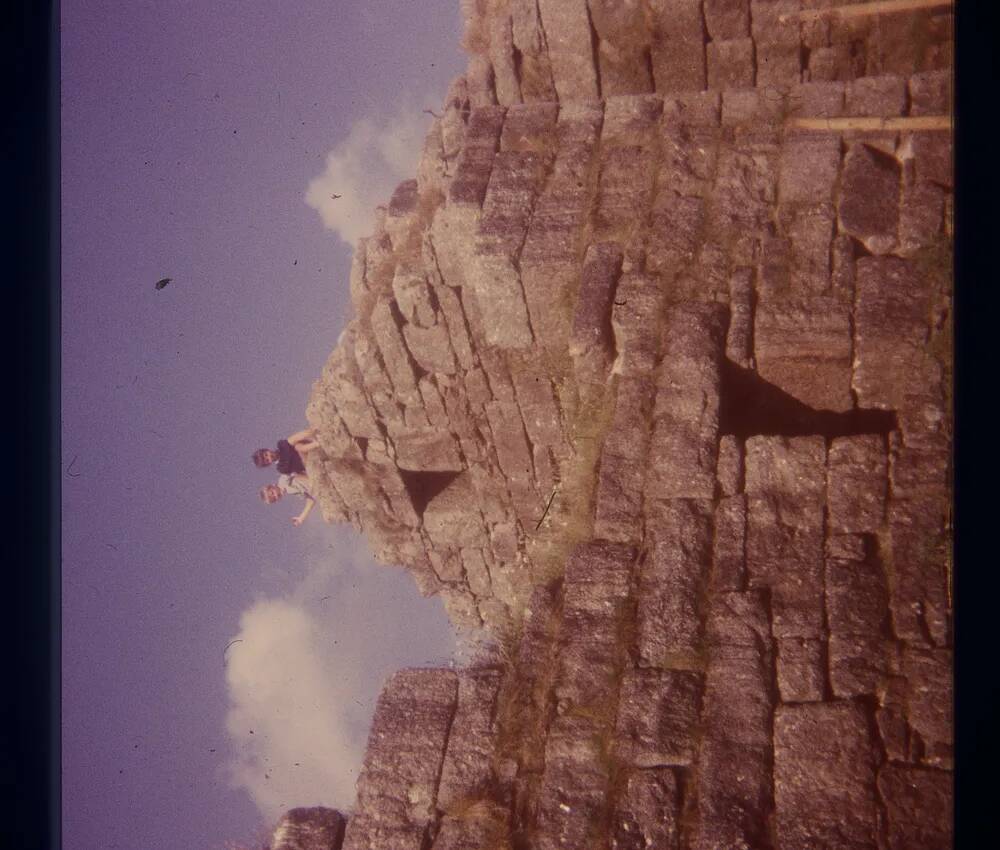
<point x="219" y="665"/>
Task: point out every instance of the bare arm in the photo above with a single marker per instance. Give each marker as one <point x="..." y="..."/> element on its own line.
<point x="306" y="434"/>
<point x="301" y="518"/>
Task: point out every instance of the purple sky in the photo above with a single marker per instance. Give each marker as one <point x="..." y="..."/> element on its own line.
<point x="190" y="132"/>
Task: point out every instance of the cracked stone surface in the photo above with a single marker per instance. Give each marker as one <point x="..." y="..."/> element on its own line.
<point x="654" y="389"/>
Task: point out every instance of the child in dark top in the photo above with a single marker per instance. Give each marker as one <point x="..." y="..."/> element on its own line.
<point x="289" y="453"/>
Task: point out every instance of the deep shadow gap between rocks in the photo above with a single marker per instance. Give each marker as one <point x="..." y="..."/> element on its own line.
<point x="749" y="405"/>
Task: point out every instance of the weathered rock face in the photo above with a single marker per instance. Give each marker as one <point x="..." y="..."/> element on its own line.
<point x="317" y="828"/>
<point x="653" y="382"/>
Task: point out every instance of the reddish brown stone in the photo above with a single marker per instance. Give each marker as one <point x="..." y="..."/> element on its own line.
<point x="740" y="620"/>
<point x="539" y="407"/>
<point x="915" y="473"/>
<point x="891" y="718"/>
<point x="573" y="797"/>
<point x="503" y="541"/>
<point x="928" y="676"/>
<point x="775" y="21"/>
<point x="529" y="39"/>
<point x="369" y="832"/>
<point x="621" y="39"/>
<point x="678" y="50"/>
<point x="890" y="331"/>
<point x="671" y="581"/>
<point x="451" y="306"/>
<point x="624" y="192"/>
<point x="596" y="585"/>
<point x="792" y="466"/>
<point x="847" y="547"/>
<point x="842" y="272"/>
<point x="785" y="485"/>
<point x="501" y="54"/>
<point x="751" y="107"/>
<point x="567" y="37"/>
<point x="694" y="110"/>
<point x="427" y="449"/>
<point x="739" y="337"/>
<point x="628" y="435"/>
<point x="631" y="119"/>
<point x="729" y="551"/>
<point x="618" y="510"/>
<point x="676" y="229"/>
<point x="778" y="64"/>
<point x="727" y="18"/>
<point x="395" y="355"/>
<point x="742" y="199"/>
<point x="856" y="601"/>
<point x="810" y="230"/>
<point x="529" y="127"/>
<point x="809" y="165"/>
<point x="316" y="828"/>
<point x="591" y="342"/>
<point x="646" y="814"/>
<point x="883" y="96"/>
<point x="685" y="168"/>
<point x="856" y="483"/>
<point x="819" y="99"/>
<point x="473" y="829"/>
<point x="729" y="468"/>
<point x="510" y="440"/>
<point x="824" y="776"/>
<point x="830" y="63"/>
<point x="684" y="440"/>
<point x="868" y="208"/>
<point x="472" y="174"/>
<point x="398" y="781"/>
<point x="804" y="347"/>
<point x="467" y="770"/>
<point x="476" y="571"/>
<point x="637" y="339"/>
<point x="919" y="578"/>
<point x="460" y="606"/>
<point x="800" y="670"/>
<point x="734" y="762"/>
<point x="931" y="93"/>
<point x="921" y="217"/>
<point x="658" y="713"/>
<point x="730" y="63"/>
<point x="919" y="807"/>
<point x="480" y="82"/>
<point x="857" y="664"/>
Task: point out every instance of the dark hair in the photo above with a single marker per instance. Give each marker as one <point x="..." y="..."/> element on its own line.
<point x="260" y="459"/>
<point x="263" y="491"/>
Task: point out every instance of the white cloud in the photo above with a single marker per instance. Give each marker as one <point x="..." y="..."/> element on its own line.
<point x="287" y="713"/>
<point x="379" y="152"/>
<point x="309" y="667"/>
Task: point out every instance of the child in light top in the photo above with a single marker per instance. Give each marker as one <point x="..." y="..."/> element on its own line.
<point x="292" y="484"/>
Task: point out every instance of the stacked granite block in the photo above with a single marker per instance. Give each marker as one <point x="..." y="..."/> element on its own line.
<point x="723" y="626"/>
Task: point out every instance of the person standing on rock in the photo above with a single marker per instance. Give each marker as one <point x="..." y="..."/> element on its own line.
<point x="289" y="453"/>
<point x="290" y="484"/>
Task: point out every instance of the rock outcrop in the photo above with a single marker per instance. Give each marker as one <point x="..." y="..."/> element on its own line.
<point x="651" y="378"/>
<point x="317" y="828"/>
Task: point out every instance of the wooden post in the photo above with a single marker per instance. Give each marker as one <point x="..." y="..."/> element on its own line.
<point x="882" y="7"/>
<point x="835" y="125"/>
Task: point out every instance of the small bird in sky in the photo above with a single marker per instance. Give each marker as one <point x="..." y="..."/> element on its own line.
<point x="163" y="282"/>
<point x="334" y="197"/>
